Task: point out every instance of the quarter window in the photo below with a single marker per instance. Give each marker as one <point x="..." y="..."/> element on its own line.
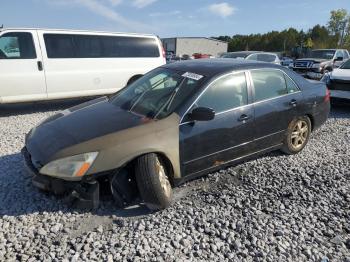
<point x="226" y="93"/>
<point x="17" y="45"/>
<point x="268" y="84"/>
<point x="346" y="55"/>
<point x="291" y="86"/>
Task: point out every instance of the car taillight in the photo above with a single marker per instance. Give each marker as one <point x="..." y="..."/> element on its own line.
<point x="327" y="96"/>
<point x="163" y="52"/>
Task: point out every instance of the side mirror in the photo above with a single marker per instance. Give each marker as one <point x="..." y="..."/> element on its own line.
<point x="202" y="114"/>
<point x="338" y="59"/>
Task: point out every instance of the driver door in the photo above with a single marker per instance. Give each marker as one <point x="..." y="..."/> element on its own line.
<point x="207" y="144"/>
<point x="22" y="75"/>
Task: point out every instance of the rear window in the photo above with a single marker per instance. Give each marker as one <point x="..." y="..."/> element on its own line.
<point x="262" y="57"/>
<point x="93" y="46"/>
<point x="268" y="83"/>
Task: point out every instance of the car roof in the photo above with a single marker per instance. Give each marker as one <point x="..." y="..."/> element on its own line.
<point x="72" y="31"/>
<point x="216" y="66"/>
<point x="243" y="52"/>
<point x="326" y="49"/>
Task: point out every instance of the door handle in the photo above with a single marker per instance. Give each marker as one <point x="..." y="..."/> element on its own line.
<point x="243" y="117"/>
<point x="293" y="102"/>
<point x="40" y="65"/>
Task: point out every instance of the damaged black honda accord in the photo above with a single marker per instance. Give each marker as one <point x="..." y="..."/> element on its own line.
<point x="177" y="122"/>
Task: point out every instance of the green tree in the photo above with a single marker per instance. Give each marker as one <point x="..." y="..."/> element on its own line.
<point x="338" y="25"/>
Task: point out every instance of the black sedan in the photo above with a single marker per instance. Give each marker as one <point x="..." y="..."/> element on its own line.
<point x="175" y="123"/>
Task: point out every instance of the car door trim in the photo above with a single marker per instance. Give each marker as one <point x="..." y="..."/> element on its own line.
<point x="191" y="175"/>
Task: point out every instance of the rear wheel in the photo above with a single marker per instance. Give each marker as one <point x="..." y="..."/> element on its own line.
<point x="297" y="136"/>
<point x="153" y="182"/>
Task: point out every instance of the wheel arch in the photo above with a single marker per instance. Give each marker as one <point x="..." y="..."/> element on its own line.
<point x="133" y="78"/>
<point x="169" y="165"/>
<point x="310" y="116"/>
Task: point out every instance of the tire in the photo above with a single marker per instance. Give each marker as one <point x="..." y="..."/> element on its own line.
<point x="153" y="182"/>
<point x="297" y="135"/>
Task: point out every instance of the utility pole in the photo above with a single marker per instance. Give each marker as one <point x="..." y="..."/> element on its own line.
<point x="341" y="41"/>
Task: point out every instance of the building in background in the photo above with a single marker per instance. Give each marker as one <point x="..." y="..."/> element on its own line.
<point x="180" y="46"/>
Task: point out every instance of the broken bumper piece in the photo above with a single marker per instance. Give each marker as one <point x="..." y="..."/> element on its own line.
<point x="82" y="194"/>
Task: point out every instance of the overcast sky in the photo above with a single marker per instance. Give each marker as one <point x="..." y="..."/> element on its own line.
<point x="170" y="17"/>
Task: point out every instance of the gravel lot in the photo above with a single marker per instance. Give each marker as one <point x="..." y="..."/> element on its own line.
<point x="275" y="208"/>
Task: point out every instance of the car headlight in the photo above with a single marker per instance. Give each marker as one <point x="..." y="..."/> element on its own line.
<point x="326" y="78"/>
<point x="69" y="167"/>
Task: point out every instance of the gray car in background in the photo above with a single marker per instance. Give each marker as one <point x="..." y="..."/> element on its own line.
<point x="255" y="56"/>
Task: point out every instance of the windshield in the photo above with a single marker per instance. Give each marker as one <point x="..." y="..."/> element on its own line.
<point x="158" y="93"/>
<point x="235" y="55"/>
<point x="346" y="65"/>
<point x="322" y="54"/>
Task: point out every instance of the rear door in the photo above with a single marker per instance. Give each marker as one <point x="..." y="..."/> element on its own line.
<point x="22" y="74"/>
<point x="228" y="136"/>
<point x="276" y="104"/>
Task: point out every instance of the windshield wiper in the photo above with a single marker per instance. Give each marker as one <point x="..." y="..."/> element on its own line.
<point x="170" y="100"/>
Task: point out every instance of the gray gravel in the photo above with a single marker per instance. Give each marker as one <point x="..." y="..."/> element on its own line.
<point x="275" y="208"/>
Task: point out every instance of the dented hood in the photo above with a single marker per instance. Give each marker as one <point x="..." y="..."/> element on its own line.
<point x="77" y="125"/>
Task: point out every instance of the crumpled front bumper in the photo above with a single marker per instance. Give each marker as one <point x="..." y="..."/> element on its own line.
<point x="82" y="194"/>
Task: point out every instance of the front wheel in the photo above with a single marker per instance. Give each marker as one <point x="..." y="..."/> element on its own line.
<point x="153" y="182"/>
<point x="297" y="135"/>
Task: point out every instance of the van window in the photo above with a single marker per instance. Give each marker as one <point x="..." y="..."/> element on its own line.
<point x="118" y="46"/>
<point x="59" y="46"/>
<point x="17" y="45"/>
<point x="88" y="46"/>
<point x="226" y="93"/>
<point x="268" y="84"/>
<point x="95" y="46"/>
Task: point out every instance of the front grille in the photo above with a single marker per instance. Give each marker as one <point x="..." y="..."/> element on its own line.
<point x="303" y="64"/>
<point x="336" y="84"/>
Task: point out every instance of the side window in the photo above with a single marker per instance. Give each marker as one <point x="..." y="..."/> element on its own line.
<point x="268" y="84"/>
<point x="346" y="55"/>
<point x="266" y="58"/>
<point x="253" y="57"/>
<point x="291" y="86"/>
<point x="118" y="46"/>
<point x="226" y="93"/>
<point x="339" y="53"/>
<point x="59" y="46"/>
<point x="17" y="45"/>
<point x="87" y="46"/>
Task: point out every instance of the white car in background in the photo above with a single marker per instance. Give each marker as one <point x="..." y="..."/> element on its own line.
<point x="338" y="81"/>
<point x="44" y="64"/>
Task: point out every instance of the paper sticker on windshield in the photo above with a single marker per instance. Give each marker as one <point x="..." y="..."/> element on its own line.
<point x="192" y="76"/>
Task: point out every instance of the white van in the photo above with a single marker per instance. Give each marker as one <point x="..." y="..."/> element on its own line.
<point x="39" y="64"/>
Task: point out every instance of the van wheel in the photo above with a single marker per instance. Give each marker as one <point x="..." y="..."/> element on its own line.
<point x="153" y="182"/>
<point x="297" y="136"/>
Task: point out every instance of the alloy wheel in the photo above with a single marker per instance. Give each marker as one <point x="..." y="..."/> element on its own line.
<point x="299" y="134"/>
<point x="164" y="181"/>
